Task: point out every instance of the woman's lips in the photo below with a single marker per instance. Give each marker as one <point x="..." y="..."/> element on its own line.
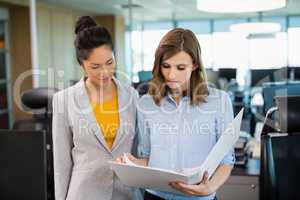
<point x="173" y="84"/>
<point x="172" y="81"/>
<point x="103" y="79"/>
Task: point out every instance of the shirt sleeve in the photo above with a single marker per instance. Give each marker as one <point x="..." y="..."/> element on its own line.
<point x="226" y="118"/>
<point x="134" y="149"/>
<point x="143" y="132"/>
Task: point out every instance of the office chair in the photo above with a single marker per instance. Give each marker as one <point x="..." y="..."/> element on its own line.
<point x="280" y="150"/>
<point x="23" y="158"/>
<point x="143" y="85"/>
<point x="39" y="101"/>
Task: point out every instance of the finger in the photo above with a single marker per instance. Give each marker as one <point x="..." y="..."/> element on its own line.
<point x="176" y="186"/>
<point x="131" y="157"/>
<point x="189" y="188"/>
<point x="186" y="186"/>
<point x="123" y="159"/>
<point x="205" y="178"/>
<point x="195" y="189"/>
<point x="127" y="157"/>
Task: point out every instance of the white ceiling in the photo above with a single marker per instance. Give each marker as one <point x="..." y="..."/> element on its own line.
<point x="161" y="9"/>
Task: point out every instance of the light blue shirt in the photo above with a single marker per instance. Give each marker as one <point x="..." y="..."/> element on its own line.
<point x="177" y="136"/>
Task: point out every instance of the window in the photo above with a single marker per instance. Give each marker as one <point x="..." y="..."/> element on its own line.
<point x="137" y="52"/>
<point x="294" y="46"/>
<point x="229" y="50"/>
<point x="151" y="39"/>
<point x="205" y="42"/>
<point x="144" y="43"/>
<point x="268" y="52"/>
<point x="222" y="48"/>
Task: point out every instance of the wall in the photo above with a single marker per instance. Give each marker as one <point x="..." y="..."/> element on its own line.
<point x="56" y="36"/>
<point x="56" y="44"/>
<point x="119" y="27"/>
<point x="19" y="29"/>
<point x="108" y="21"/>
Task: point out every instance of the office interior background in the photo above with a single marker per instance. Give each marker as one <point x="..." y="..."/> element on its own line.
<point x="37" y="55"/>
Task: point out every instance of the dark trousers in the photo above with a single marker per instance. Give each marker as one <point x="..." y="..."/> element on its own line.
<point x="149" y="196"/>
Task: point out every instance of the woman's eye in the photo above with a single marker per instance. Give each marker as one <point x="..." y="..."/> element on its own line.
<point x="95" y="67"/>
<point x="165" y="66"/>
<point x="181" y="68"/>
<point x="110" y="63"/>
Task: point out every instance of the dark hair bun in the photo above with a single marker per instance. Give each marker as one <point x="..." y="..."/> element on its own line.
<point x="84" y="22"/>
<point x="90" y="35"/>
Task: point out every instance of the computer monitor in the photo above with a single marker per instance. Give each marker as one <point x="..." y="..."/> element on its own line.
<point x="23" y="165"/>
<point x="227" y="73"/>
<point x="281" y="74"/>
<point x="296" y="71"/>
<point x="145" y="76"/>
<point x="260" y="76"/>
<point x="280" y="164"/>
<point x="212" y="76"/>
<point x="270" y="90"/>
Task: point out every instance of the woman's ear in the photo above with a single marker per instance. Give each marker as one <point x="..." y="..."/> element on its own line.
<point x="83" y="69"/>
<point x="82" y="65"/>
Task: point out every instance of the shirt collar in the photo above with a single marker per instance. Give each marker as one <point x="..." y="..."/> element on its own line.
<point x="170" y="98"/>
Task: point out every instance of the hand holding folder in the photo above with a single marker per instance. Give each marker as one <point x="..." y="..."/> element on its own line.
<point x="134" y="175"/>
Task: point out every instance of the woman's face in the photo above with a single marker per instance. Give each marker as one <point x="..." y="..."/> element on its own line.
<point x="100" y="65"/>
<point x="177" y="71"/>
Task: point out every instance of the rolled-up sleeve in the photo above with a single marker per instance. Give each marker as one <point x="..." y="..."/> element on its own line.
<point x="62" y="147"/>
<point x="143" y="136"/>
<point x="227" y="117"/>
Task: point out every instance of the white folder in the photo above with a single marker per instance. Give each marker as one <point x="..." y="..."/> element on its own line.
<point x="154" y="178"/>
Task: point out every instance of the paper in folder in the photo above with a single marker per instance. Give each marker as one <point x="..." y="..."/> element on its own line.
<point x="134" y="175"/>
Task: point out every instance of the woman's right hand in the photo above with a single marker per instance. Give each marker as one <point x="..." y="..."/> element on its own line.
<point x="121" y="160"/>
<point x="137" y="161"/>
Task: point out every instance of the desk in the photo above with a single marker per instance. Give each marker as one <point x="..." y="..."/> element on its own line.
<point x="240" y="185"/>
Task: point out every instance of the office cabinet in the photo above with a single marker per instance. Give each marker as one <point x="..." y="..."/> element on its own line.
<point x="240" y="187"/>
<point x="5" y="80"/>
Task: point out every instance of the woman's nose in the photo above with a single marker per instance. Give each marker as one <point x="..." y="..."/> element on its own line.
<point x="172" y="74"/>
<point x="104" y="72"/>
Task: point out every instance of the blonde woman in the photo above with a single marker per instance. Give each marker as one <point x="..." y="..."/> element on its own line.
<point x="181" y="118"/>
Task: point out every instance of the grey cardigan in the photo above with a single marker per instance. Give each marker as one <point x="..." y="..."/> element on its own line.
<point x="81" y="169"/>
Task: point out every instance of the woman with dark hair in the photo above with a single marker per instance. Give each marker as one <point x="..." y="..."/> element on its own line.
<point x="93" y="122"/>
<point x="181" y="118"/>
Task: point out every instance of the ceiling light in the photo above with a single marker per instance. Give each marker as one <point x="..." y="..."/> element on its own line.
<point x="256" y="36"/>
<point x="239" y="6"/>
<point x="256" y="27"/>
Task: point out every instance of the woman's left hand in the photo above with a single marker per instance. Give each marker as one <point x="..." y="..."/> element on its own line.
<point x="204" y="188"/>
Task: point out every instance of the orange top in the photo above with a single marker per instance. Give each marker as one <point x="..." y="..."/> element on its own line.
<point x="107" y="116"/>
